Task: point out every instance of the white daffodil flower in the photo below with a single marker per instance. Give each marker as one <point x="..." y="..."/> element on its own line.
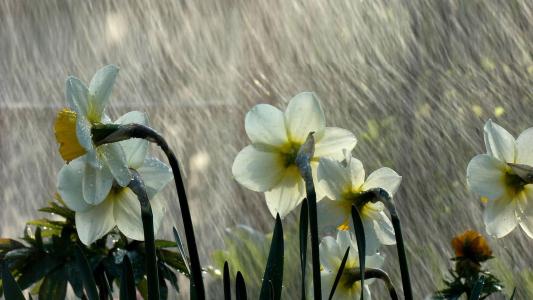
<point x="343" y="185"/>
<point x="268" y="164"/>
<point x="510" y="199"/>
<point x="73" y="133"/>
<point x="331" y="254"/>
<point x="120" y="206"/>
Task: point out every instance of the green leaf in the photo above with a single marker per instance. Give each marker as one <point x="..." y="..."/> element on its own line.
<point x="227" y="283"/>
<point x="86" y="274"/>
<point x="304" y="231"/>
<point x="168" y="274"/>
<point x="37" y="268"/>
<point x="127" y="283"/>
<point x="164" y="244"/>
<point x="273" y="277"/>
<point x="74" y="278"/>
<point x="361" y="244"/>
<point x="174" y="260"/>
<point x="339" y="274"/>
<point x="10" y="244"/>
<point x="142" y="287"/>
<point x="54" y="286"/>
<point x="513" y="294"/>
<point x="181" y="249"/>
<point x="11" y="289"/>
<point x="240" y="287"/>
<point x="478" y="287"/>
<point x="55" y="208"/>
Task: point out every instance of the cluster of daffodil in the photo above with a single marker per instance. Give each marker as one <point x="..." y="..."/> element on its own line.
<point x="94" y="182"/>
<point x="269" y="165"/>
<point x="503" y="178"/>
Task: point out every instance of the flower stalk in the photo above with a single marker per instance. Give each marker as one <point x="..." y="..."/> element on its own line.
<point x="137" y="186"/>
<point x="303" y="161"/>
<point x="104" y="135"/>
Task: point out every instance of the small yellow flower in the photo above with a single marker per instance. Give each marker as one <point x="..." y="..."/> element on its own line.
<point x="65" y="131"/>
<point x="471" y="245"/>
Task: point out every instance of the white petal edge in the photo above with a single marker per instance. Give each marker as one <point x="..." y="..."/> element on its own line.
<point x="257" y="170"/>
<point x="265" y="124"/>
<point x="333" y="178"/>
<point x="96" y="184"/>
<point x="333" y="142"/>
<point x="77" y="95"/>
<point x="485" y="175"/>
<point x="500" y="216"/>
<point x="95" y="222"/>
<point x="100" y="88"/>
<point x="385" y="178"/>
<point x="127" y="214"/>
<point x="156" y="175"/>
<point x="134" y="149"/>
<point x="499" y="142"/>
<point x="304" y="115"/>
<point x="524" y="147"/>
<point x="114" y="157"/>
<point x="287" y="194"/>
<point x="69" y="185"/>
<point x="357" y="173"/>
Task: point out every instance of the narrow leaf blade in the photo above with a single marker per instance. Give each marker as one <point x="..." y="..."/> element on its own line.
<point x="339" y="273"/>
<point x="273" y="277"/>
<point x="304" y="231"/>
<point x="227" y="288"/>
<point x="127" y="282"/>
<point x="361" y="244"/>
<point x="11" y="288"/>
<point x="240" y="287"/>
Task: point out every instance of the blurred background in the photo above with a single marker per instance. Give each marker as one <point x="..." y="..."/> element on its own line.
<point x="414" y="80"/>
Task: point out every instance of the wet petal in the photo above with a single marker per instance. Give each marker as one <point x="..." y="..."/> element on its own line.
<point x="330" y="254"/>
<point x="333" y="142"/>
<point x="485" y="175"/>
<point x="100" y="89"/>
<point x="95" y="222"/>
<point x="159" y="210"/>
<point x="127" y="214"/>
<point x="287" y="194"/>
<point x="524" y="147"/>
<point x="526" y="211"/>
<point x="371" y="238"/>
<point x="385" y="178"/>
<point x="114" y="157"/>
<point x="499" y="142"/>
<point x="83" y="133"/>
<point x="96" y="184"/>
<point x="69" y="184"/>
<point x="333" y="178"/>
<point x="77" y="95"/>
<point x="156" y="175"/>
<point x="500" y="216"/>
<point x="134" y="149"/>
<point x="384" y="230"/>
<point x="257" y="170"/>
<point x="320" y="192"/>
<point x="265" y="124"/>
<point x="357" y="173"/>
<point x="333" y="214"/>
<point x="304" y="115"/>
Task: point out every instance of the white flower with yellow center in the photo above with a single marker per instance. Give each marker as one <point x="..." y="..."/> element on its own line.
<point x="510" y="198"/>
<point x="268" y="164"/>
<point x="120" y="206"/>
<point x="331" y="254"/>
<point x="344" y="186"/>
<point x="73" y="132"/>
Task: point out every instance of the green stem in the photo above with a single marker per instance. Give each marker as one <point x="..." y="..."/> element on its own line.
<point x="128" y="131"/>
<point x="137" y="186"/>
<point x="303" y="161"/>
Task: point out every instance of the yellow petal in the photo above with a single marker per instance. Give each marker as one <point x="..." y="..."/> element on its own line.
<point x="65" y="131"/>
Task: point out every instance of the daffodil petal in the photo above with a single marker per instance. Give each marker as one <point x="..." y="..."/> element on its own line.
<point x="320" y="193"/>
<point x="345" y="241"/>
<point x="99" y="90"/>
<point x="330" y="254"/>
<point x="257" y="170"/>
<point x="159" y="210"/>
<point x="287" y="194"/>
<point x="333" y="213"/>
<point x="385" y="178"/>
<point x="371" y="238"/>
<point x="95" y="222"/>
<point x="134" y="149"/>
<point x="265" y="124"/>
<point x="357" y="173"/>
<point x="384" y="230"/>
<point x="156" y="175"/>
<point x="500" y="216"/>
<point x="485" y="175"/>
<point x="96" y="184"/>
<point x="374" y="261"/>
<point x="115" y="159"/>
<point x="127" y="214"/>
<point x="83" y="133"/>
<point x="332" y="178"/>
<point x="333" y="142"/>
<point x="327" y="278"/>
<point x="77" y="95"/>
<point x="524" y="147"/>
<point x="499" y="142"/>
<point x="526" y="211"/>
<point x="304" y="115"/>
<point x="69" y="185"/>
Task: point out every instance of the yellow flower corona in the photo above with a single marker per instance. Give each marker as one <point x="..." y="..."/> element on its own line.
<point x="65" y="132"/>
